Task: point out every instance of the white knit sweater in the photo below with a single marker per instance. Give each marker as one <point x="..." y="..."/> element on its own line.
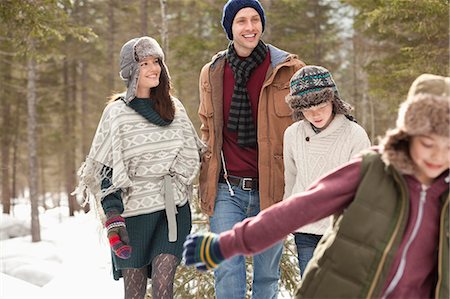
<point x="308" y="155"/>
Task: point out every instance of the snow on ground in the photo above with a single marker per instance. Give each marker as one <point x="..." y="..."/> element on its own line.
<point x="71" y="261"/>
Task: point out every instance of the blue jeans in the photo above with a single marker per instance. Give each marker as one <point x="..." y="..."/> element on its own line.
<point x="230" y="276"/>
<point x="306" y="244"/>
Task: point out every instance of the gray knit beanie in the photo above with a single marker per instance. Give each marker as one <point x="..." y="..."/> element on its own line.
<point x="312" y="85"/>
<point x="131" y="53"/>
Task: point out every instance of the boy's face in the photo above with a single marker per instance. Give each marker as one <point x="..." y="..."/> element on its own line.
<point x="431" y="155"/>
<point x="247" y="30"/>
<point x="319" y="116"/>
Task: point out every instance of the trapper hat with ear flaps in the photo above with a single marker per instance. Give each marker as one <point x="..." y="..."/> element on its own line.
<point x="131" y="53"/>
<point x="426" y="111"/>
<point x="312" y="85"/>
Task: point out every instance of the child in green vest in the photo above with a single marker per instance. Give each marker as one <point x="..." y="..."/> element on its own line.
<point x="389" y="237"/>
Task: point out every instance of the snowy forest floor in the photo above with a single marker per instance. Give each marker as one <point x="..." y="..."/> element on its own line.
<point x="71" y="261"/>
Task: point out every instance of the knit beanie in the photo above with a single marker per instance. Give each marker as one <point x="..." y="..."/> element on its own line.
<point x="310" y="86"/>
<point x="131" y="53"/>
<point x="426" y="111"/>
<point x="232" y="7"/>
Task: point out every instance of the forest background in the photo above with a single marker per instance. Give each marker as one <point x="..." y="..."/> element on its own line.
<point x="59" y="63"/>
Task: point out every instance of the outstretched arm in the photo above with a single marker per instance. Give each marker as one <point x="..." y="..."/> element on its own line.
<point x="328" y="195"/>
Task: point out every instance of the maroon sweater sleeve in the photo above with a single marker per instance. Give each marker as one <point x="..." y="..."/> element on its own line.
<point x="328" y="195"/>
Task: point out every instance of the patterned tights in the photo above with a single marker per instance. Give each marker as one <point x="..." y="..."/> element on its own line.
<point x="163" y="273"/>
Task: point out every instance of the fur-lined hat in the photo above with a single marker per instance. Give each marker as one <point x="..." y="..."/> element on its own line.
<point x="425" y="111"/>
<point x="131" y="53"/>
<point x="310" y="86"/>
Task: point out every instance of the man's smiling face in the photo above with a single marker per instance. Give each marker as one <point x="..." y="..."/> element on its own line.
<point x="247" y="29"/>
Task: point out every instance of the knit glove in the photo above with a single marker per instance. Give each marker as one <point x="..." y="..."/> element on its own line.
<point x="117" y="235"/>
<point x="202" y="251"/>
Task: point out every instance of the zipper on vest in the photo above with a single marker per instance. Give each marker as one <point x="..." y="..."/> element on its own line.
<point x="442" y="239"/>
<point x="401" y="268"/>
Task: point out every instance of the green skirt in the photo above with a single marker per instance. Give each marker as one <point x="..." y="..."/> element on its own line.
<point x="149" y="237"/>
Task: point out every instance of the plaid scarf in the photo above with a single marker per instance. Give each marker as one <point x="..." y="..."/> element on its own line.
<point x="240" y="118"/>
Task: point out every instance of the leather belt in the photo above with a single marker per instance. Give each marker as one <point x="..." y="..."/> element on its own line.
<point x="246" y="184"/>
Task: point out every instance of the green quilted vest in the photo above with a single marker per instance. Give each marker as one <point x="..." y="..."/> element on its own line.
<point x="353" y="259"/>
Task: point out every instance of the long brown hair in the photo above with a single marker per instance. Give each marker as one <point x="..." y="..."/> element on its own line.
<point x="160" y="94"/>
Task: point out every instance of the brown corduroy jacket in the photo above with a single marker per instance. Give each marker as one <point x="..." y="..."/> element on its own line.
<point x="274" y="116"/>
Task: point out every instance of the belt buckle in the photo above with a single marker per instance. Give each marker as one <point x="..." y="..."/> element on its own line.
<point x="244" y="184"/>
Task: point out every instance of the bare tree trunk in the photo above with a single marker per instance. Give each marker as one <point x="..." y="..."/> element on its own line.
<point x="69" y="150"/>
<point x="144" y="17"/>
<point x="61" y="180"/>
<point x="6" y="136"/>
<point x="372" y="120"/>
<point x="15" y="149"/>
<point x="6" y="154"/>
<point x="164" y="28"/>
<point x="82" y="100"/>
<point x="32" y="146"/>
<point x="70" y="76"/>
<point x="43" y="187"/>
<point x="355" y="84"/>
<point x="111" y="50"/>
<point x="360" y="57"/>
<point x="66" y="128"/>
<point x="317" y="40"/>
<point x="73" y="138"/>
<point x="84" y="113"/>
<point x="84" y="108"/>
<point x="267" y="4"/>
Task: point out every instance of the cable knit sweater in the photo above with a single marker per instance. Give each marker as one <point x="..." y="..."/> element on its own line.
<point x="309" y="155"/>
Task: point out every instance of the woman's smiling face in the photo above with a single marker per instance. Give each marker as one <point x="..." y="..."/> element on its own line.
<point x="149" y="72"/>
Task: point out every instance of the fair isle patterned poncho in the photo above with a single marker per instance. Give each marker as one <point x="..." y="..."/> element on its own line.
<point x="154" y="166"/>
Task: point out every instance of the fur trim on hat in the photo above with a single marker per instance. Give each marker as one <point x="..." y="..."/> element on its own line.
<point x="299" y="102"/>
<point x="425" y="114"/>
<point x="395" y="151"/>
<point x="421" y="114"/>
<point x="131" y="53"/>
<point x="147" y="46"/>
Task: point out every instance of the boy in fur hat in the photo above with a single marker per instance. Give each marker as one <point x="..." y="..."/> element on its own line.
<point x="322" y="138"/>
<point x="390" y="235"/>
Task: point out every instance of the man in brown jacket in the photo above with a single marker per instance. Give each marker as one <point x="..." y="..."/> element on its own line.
<point x="244" y="115"/>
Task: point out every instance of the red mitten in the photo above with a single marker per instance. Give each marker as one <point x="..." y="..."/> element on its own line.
<point x="118" y="235"/>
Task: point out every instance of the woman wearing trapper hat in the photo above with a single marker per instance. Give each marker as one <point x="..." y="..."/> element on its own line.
<point x="390" y="235"/>
<point x="140" y="169"/>
<point x="322" y="138"/>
